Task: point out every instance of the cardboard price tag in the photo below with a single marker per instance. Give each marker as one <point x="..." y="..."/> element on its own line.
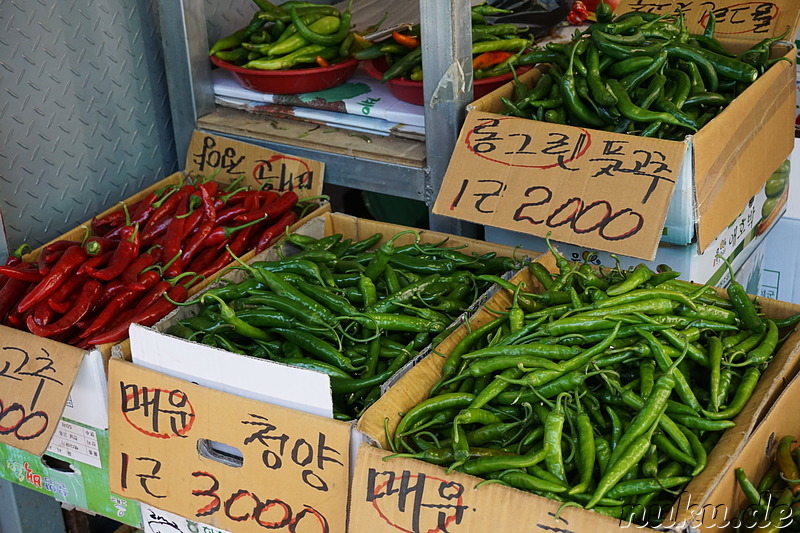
<point x="735" y="19"/>
<point x="36" y="375"/>
<point x="234" y="463"/>
<point x="601" y="190"/>
<point x="401" y="494"/>
<point x="258" y="167"/>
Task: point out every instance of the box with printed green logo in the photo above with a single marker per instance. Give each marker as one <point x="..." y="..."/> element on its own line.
<point x="73" y="470"/>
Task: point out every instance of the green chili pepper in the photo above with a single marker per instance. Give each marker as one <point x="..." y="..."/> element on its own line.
<point x="743" y="393"/>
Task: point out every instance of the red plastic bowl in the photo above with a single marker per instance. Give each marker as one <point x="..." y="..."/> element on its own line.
<point x="411" y="91"/>
<point x="292" y="81"/>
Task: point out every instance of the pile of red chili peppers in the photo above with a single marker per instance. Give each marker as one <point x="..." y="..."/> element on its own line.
<point x="135" y="262"/>
<point x="603" y="390"/>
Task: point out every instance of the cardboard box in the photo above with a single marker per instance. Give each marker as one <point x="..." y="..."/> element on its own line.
<point x="411" y="495"/>
<point x="621" y="193"/>
<point x="747" y="233"/>
<point x="781" y="275"/>
<point x="719" y="512"/>
<point x="74" y="471"/>
<point x="277" y="465"/>
<point x="296" y="402"/>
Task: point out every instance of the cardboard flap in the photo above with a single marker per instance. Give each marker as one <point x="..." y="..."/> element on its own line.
<point x="220" y="459"/>
<point x="591" y="188"/>
<point x="36" y="375"/>
<point x="254" y="165"/>
<point x="727" y="175"/>
<point x="735" y="20"/>
<point x="250" y="377"/>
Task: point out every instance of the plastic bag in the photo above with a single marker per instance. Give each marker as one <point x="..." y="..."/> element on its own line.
<point x="540" y="16"/>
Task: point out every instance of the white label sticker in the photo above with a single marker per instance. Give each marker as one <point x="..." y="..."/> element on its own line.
<point x="76" y="442"/>
<point x="158" y="521"/>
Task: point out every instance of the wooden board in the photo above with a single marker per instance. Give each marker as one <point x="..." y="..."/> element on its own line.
<point x="323" y="138"/>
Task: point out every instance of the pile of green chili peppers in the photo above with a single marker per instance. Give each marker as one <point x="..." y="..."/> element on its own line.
<point x="293" y="34"/>
<point x="605" y="389"/>
<point x="773" y="501"/>
<point x="356" y="311"/>
<point x="403" y="53"/>
<point x="639" y="73"/>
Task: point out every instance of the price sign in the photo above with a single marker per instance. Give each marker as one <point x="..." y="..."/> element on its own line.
<point x="734" y="19"/>
<point x="216" y="458"/>
<point x="586" y="187"/>
<point x="229" y="160"/>
<point x="36" y="375"/>
<point x="391" y="495"/>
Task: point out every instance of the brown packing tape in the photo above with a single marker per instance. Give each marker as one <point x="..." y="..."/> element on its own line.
<point x="384" y="415"/>
<point x="726" y="172"/>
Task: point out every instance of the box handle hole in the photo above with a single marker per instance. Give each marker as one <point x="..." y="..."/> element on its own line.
<point x="220" y="452"/>
<point x="56" y="464"/>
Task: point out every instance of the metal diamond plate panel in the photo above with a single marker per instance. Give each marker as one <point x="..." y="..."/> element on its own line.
<point x="84" y="114"/>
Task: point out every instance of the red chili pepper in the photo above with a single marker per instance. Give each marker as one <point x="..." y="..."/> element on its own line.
<point x="57" y="246"/>
<point x="169" y="206"/>
<point x="239" y="245"/>
<point x="489" y="59"/>
<point x="409" y="41"/>
<point x="203" y="259"/>
<point x="153" y="231"/>
<point x="111" y="289"/>
<point x="145" y="316"/>
<point x="115" y="219"/>
<point x="61" y="300"/>
<point x="130" y="276"/>
<point x="42" y="313"/>
<point x="211" y="187"/>
<point x="83" y="304"/>
<point x="65" y="267"/>
<point x="172" y="240"/>
<point x="194" y="242"/>
<point x="321" y="61"/>
<point x="272" y="210"/>
<point x="221" y="234"/>
<point x="240" y="196"/>
<point x="144" y="210"/>
<point x="229" y="213"/>
<point x="191" y="223"/>
<point x="23" y="272"/>
<point x="99" y="261"/>
<point x="121" y="257"/>
<point x="116" y="307"/>
<point x="269" y="235"/>
<point x="96" y="245"/>
<point x="50" y="254"/>
<point x="578" y="14"/>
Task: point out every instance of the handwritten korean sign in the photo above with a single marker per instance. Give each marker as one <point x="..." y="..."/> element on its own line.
<point x="36" y="375"/>
<point x="597" y="189"/>
<point x="288" y="472"/>
<point x="401" y="495"/>
<point x="253" y="165"/>
<point x="734" y="18"/>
